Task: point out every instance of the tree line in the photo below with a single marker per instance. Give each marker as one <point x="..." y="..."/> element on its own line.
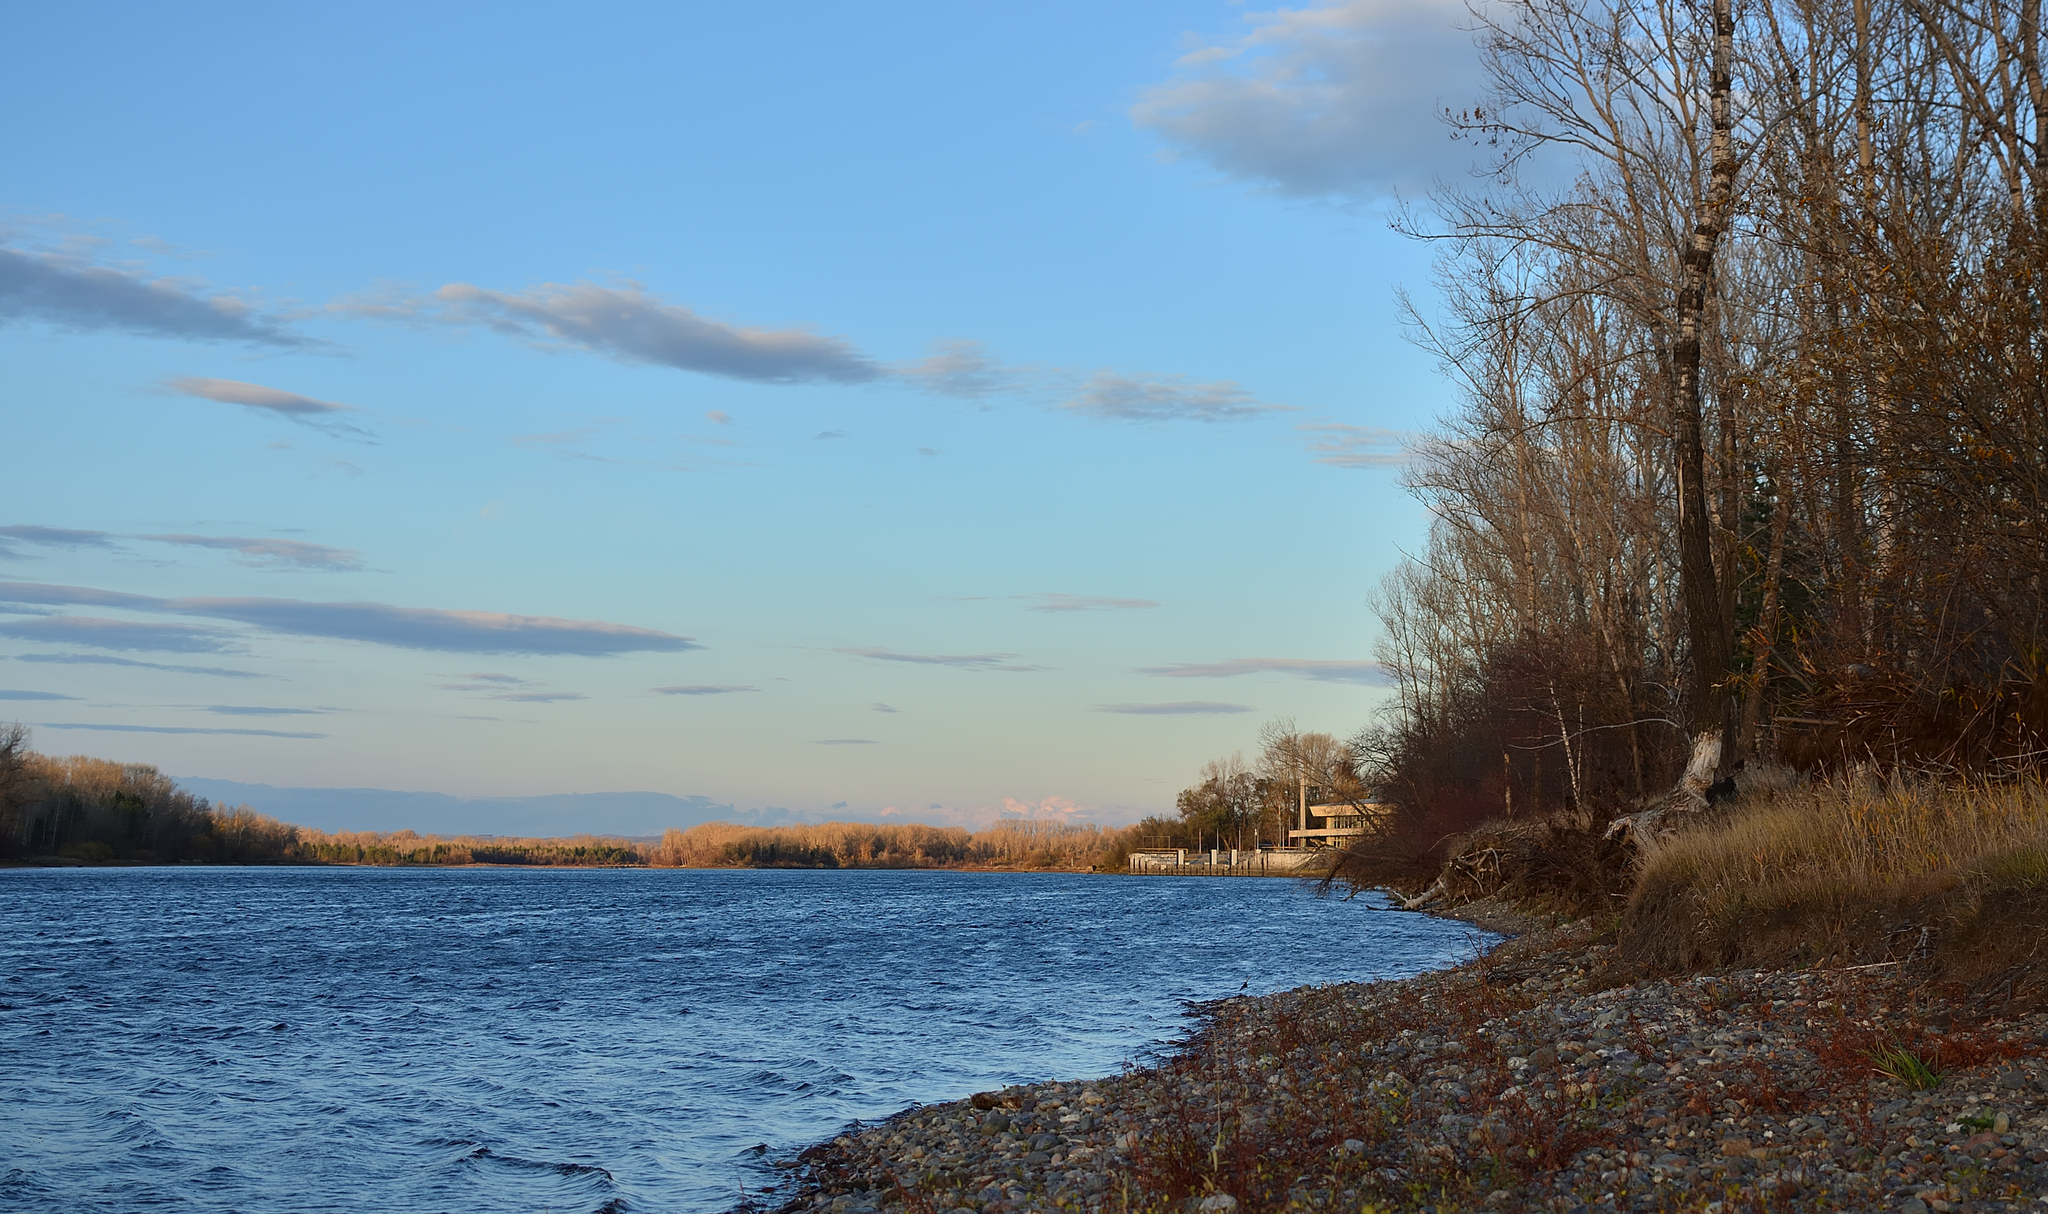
<point x="1247" y="805"/>
<point x="96" y="810"/>
<point x="1751" y="441"/>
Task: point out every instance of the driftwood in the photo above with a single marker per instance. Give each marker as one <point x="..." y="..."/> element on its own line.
<point x="1696" y="790"/>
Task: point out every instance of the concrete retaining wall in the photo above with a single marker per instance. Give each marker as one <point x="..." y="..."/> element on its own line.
<point x="1229" y="862"/>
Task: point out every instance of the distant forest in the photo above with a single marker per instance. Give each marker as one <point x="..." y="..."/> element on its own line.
<point x="82" y="810"/>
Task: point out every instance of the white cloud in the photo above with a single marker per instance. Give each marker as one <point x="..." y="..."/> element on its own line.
<point x="1055" y="808"/>
<point x="1332" y="100"/>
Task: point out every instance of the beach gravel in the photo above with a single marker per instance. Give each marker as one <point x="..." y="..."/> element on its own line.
<point x="1540" y="1077"/>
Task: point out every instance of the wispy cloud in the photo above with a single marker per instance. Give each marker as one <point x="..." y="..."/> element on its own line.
<point x="81" y="659"/>
<point x="1328" y="100"/>
<point x="878" y="706"/>
<point x="52" y="537"/>
<point x="432" y="628"/>
<point x="1179" y="708"/>
<point x="295" y="553"/>
<point x="34" y="695"/>
<point x="1050" y="601"/>
<point x="252" y="710"/>
<point x="379" y="623"/>
<point x="262" y="551"/>
<point x="1158" y="398"/>
<point x="846" y="742"/>
<point x="559" y="438"/>
<point x="495" y="686"/>
<point x="305" y="410"/>
<point x="959" y="661"/>
<point x="966" y="370"/>
<point x="66" y="291"/>
<point x="630" y="324"/>
<point x="180" y="729"/>
<point x="1319" y="669"/>
<point x="1356" y="446"/>
<point x="92" y="632"/>
<point x="704" y="689"/>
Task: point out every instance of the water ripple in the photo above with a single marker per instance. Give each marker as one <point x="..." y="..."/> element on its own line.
<point x="493" y="1039"/>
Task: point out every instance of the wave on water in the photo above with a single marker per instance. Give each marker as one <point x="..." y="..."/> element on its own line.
<point x="651" y="1040"/>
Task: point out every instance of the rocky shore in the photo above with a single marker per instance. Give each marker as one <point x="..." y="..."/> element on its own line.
<point x="1540" y="1077"/>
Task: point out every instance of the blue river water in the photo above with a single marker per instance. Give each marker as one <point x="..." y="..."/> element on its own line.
<point x="359" y="1039"/>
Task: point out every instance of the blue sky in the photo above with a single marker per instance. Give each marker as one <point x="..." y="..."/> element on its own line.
<point x="930" y="408"/>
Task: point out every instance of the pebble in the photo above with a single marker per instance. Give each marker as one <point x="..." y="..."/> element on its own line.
<point x="1540" y="1077"/>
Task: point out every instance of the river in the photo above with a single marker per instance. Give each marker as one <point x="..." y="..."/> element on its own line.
<point x="415" y="1040"/>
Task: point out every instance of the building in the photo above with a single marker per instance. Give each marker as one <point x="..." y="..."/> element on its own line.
<point x="1335" y="823"/>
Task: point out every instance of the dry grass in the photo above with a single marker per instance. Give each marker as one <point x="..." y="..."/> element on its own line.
<point x="1851" y="871"/>
<point x="1009" y="844"/>
<point x="405" y="847"/>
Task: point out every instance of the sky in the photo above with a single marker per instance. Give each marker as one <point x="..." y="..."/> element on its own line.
<point x="898" y="412"/>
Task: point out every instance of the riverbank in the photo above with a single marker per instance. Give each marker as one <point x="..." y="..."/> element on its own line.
<point x="1543" y="1076"/>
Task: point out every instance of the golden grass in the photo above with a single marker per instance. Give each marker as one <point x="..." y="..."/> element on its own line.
<point x="1843" y="870"/>
<point x="1863" y="834"/>
<point x="1008" y="844"/>
<point x="407" y="847"/>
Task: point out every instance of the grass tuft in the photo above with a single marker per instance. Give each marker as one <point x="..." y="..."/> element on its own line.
<point x="1905" y="1066"/>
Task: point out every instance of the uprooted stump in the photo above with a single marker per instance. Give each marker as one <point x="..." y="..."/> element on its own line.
<point x="1554" y="865"/>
